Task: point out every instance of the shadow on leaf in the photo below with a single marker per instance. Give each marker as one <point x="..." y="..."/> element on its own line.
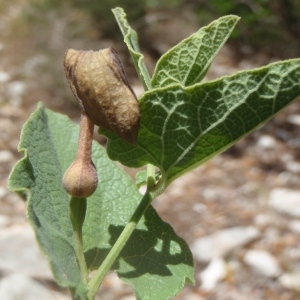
<point x="148" y="251"/>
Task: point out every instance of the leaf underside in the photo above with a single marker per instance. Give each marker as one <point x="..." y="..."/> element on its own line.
<point x="183" y="122"/>
<point x="183" y="127"/>
<point x="188" y="62"/>
<point x="155" y="261"/>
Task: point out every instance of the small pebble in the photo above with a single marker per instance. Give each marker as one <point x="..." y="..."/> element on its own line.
<point x="294" y="119"/>
<point x="285" y="201"/>
<point x="263" y="263"/>
<point x="266" y="142"/>
<point x="295" y="226"/>
<point x="222" y="242"/>
<point x="290" y="281"/>
<point x="3" y="191"/>
<point x="293" y="166"/>
<point x="4" y="77"/>
<point x="262" y="220"/>
<point x="214" y="272"/>
<point x="19" y="242"/>
<point x="4" y="221"/>
<point x="5" y="156"/>
<point x="17" y="287"/>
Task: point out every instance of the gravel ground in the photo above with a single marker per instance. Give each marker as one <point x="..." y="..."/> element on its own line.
<point x="236" y="189"/>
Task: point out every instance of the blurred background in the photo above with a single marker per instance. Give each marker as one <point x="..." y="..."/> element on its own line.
<point x="236" y="198"/>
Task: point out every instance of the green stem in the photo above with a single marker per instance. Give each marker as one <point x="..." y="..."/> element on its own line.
<point x="96" y="281"/>
<point x="150" y="176"/>
<point x="77" y="216"/>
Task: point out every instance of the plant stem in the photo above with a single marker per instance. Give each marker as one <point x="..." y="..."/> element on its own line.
<point x="150" y="176"/>
<point x="96" y="281"/>
<point x="77" y="216"/>
<point x="84" y="150"/>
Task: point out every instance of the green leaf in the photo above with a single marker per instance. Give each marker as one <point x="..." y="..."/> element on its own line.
<point x="188" y="62"/>
<point x="183" y="127"/>
<point x="49" y="141"/>
<point x="131" y="40"/>
<point x="37" y="177"/>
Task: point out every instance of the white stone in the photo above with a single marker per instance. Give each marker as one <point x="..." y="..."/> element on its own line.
<point x="262" y="220"/>
<point x="266" y="142"/>
<point x="214" y="272"/>
<point x="4" y="221"/>
<point x="263" y="263"/>
<point x="19" y="253"/>
<point x="16" y="90"/>
<point x="295" y="226"/>
<point x="222" y="242"/>
<point x="17" y="287"/>
<point x="286" y="201"/>
<point x="293" y="166"/>
<point x="290" y="281"/>
<point x="3" y="191"/>
<point x="294" y="119"/>
<point x="5" y="156"/>
<point x="4" y="77"/>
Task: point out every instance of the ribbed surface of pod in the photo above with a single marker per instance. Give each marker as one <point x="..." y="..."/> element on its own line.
<point x="99" y="82"/>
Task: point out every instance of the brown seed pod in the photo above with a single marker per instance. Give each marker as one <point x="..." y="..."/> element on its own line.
<point x="98" y="81"/>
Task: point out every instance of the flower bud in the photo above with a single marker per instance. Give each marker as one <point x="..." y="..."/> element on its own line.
<point x="81" y="179"/>
<point x="98" y="81"/>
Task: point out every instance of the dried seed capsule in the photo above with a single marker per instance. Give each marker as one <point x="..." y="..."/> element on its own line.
<point x="99" y="82"/>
